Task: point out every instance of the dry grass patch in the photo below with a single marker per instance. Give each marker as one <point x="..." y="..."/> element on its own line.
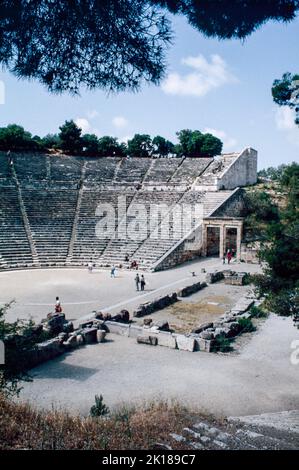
<point x="23" y="427"/>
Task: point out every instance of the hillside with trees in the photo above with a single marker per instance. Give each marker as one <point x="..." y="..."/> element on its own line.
<point x="272" y="216"/>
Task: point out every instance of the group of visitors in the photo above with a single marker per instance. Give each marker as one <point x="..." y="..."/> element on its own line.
<point x="140" y="282"/>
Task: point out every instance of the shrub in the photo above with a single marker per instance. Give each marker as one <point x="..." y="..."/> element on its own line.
<point x="257" y="312"/>
<point x="246" y="325"/>
<point x="99" y="409"/>
<point x="222" y="344"/>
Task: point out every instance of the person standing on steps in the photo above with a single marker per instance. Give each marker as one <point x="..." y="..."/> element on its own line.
<point x="137" y="281"/>
<point x="142" y="282"/>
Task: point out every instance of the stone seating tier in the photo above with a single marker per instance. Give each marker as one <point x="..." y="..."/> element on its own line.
<point x="47" y="219"/>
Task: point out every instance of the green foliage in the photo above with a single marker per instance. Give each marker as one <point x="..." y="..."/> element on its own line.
<point x="246" y="325"/>
<point x="70" y="136"/>
<point x="285" y="92"/>
<point x="284" y="302"/>
<point x="19" y="343"/>
<point x="140" y="146"/>
<point x="222" y="344"/>
<point x="115" y="45"/>
<point x="90" y="143"/>
<point x="257" y="312"/>
<point x="259" y="212"/>
<point x="99" y="409"/>
<point x="231" y="18"/>
<point x="51" y="141"/>
<point x="109" y="147"/>
<point x="14" y="137"/>
<point x="272" y="173"/>
<point x="162" y="147"/>
<point x="280" y="252"/>
<point x="196" y="144"/>
<point x="290" y="176"/>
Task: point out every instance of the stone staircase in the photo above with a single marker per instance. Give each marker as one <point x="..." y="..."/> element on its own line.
<point x="155" y="248"/>
<point x="34" y="254"/>
<point x="269" y="431"/>
<point x="15" y="249"/>
<point x="76" y="219"/>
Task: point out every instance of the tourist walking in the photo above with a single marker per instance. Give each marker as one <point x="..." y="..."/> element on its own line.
<point x="142" y="282"/>
<point x="137" y="281"/>
<point x="112" y="273"/>
<point x="229" y="256"/>
<point x="90" y="266"/>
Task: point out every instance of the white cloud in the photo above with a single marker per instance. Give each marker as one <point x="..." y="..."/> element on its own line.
<point x="229" y="143"/>
<point x="205" y="77"/>
<point x="84" y="124"/>
<point x="120" y="122"/>
<point x="285" y="122"/>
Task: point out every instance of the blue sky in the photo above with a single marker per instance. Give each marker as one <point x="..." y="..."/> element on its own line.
<point x="218" y="86"/>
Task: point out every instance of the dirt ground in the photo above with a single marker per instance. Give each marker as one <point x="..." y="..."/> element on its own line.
<point x="205" y="306"/>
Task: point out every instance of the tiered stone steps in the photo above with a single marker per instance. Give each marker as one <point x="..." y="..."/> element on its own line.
<point x="137" y="224"/>
<point x="98" y="210"/>
<point x="51" y="227"/>
<point x="215" y="170"/>
<point x="56" y="202"/>
<point x="279" y="432"/>
<point x="15" y="250"/>
<point x="155" y="247"/>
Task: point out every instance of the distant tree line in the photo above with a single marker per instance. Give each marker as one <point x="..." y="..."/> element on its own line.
<point x="272" y="173"/>
<point x="71" y="140"/>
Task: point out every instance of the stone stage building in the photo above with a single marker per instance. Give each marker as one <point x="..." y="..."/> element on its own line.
<point x="58" y="210"/>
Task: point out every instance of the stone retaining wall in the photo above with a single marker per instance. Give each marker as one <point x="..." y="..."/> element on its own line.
<point x="158" y="304"/>
<point x="64" y="339"/>
<point x="200" y="339"/>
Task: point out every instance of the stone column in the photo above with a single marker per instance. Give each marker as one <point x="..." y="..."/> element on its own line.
<point x="222" y="240"/>
<point x="204" y="240"/>
<point x="239" y="234"/>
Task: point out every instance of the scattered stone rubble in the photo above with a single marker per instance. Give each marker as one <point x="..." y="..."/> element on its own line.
<point x="229" y="276"/>
<point x="63" y="337"/>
